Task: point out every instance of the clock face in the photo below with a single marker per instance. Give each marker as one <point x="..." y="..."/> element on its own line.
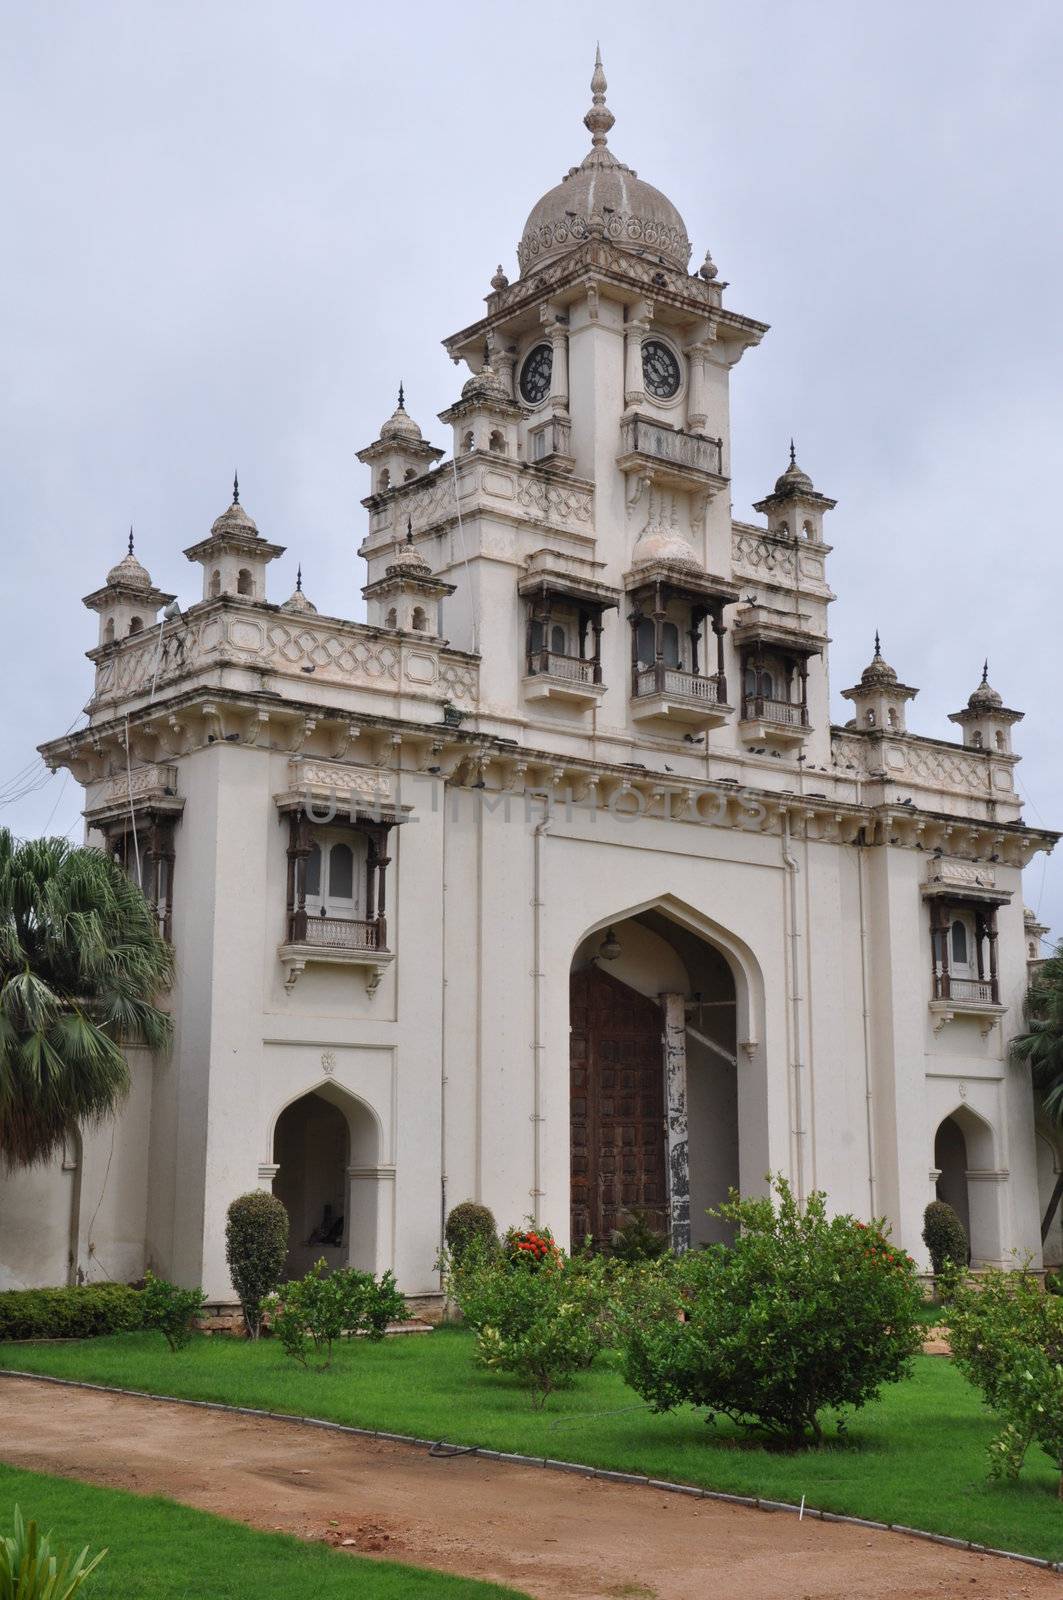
<point x="535" y="374"/>
<point x="660" y="370"/>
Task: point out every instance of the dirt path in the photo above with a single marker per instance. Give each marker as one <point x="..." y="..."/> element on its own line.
<point x="553" y="1536"/>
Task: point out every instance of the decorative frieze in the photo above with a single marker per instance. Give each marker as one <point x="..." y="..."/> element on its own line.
<point x="484" y="482"/>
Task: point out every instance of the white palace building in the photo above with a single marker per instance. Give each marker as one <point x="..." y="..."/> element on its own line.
<point x="551" y="884"/>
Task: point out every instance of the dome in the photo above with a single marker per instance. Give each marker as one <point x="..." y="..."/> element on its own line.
<point x="234" y="519"/>
<point x="297" y="601"/>
<point x="408" y="559"/>
<point x="793" y="478"/>
<point x="129" y="573"/>
<point x="486" y="384"/>
<point x="655" y="545"/>
<point x="878" y="671"/>
<point x="603" y="193"/>
<point x="985" y="697"/>
<point x="400" y="426"/>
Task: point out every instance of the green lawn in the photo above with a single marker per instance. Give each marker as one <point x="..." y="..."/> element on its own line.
<point x="161" y="1551"/>
<point x="917" y="1456"/>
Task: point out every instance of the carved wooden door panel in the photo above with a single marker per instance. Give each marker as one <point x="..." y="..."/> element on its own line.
<point x="616" y="1072"/>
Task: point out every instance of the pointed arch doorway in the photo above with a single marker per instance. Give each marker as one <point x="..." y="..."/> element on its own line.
<point x="617" y="1109"/>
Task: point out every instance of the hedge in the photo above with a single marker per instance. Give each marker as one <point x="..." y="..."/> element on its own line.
<point x="76" y="1313"/>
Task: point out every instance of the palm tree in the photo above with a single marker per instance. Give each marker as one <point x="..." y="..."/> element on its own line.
<point x="81" y="962"/>
<point x="1042" y="1049"/>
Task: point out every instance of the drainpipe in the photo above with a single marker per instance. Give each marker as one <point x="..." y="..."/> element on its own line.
<point x="443" y="1038"/>
<point x="538" y="835"/>
<point x="867" y="1032"/>
<point x="794" y="973"/>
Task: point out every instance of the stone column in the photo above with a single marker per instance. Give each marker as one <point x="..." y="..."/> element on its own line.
<point x="635" y="330"/>
<point x="370" y="1204"/>
<point x="675" y="1073"/>
<point x="697" y="410"/>
<point x="559" y="369"/>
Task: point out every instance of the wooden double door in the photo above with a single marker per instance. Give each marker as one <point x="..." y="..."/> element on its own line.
<point x="617" y="1107"/>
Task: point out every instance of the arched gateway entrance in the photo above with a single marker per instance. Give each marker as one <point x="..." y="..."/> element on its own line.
<point x="325" y="1154"/>
<point x="654" y="1081"/>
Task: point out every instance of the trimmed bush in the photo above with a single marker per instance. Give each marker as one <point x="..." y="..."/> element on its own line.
<point x="636" y="1241"/>
<point x="803" y="1315"/>
<point x="1007" y="1339"/>
<point x="311" y="1313"/>
<point x="537" y="1313"/>
<point x="256" y="1245"/>
<point x="944" y="1236"/>
<point x="74" y="1313"/>
<point x="467" y="1222"/>
<point x="171" y="1309"/>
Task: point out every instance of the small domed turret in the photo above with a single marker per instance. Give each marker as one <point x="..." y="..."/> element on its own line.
<point x="297" y="600"/>
<point x="234" y="519"/>
<point x="879" y="698"/>
<point x="400" y="453"/>
<point x="128" y="601"/>
<point x="793" y="478"/>
<point x="235" y="556"/>
<point x="400" y="425"/>
<point x="986" y="721"/>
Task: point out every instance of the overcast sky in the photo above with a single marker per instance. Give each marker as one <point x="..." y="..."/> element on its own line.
<point x="229" y="229"/>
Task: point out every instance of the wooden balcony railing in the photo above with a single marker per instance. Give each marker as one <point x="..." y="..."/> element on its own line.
<point x="337" y="933"/>
<point x="570" y="669"/>
<point x="690" y="451"/>
<point x="787" y="713"/>
<point x="660" y="679"/>
<point x="984" y="991"/>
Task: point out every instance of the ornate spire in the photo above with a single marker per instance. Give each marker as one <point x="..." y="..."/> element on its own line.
<point x="299" y="578"/>
<point x="793" y="453"/>
<point x="985" y="671"/>
<point x="402" y="397"/>
<point x="130" y="538"/>
<point x="236" y="489"/>
<point x="599" y="118"/>
<point x="878" y="646"/>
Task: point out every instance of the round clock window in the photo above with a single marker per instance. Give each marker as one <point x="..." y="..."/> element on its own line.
<point x="535" y="374"/>
<point x="660" y="370"/>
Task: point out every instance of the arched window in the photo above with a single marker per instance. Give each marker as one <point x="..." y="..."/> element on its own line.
<point x="891" y="716"/>
<point x="215" y="584"/>
<point x="341" y="872"/>
<point x="960" y="957"/>
<point x="808" y="530"/>
<point x="646" y="642"/>
<point x="409" y="474"/>
<point x="244" y="582"/>
<point x="469" y="442"/>
<point x="108" y="632"/>
<point x="420" y="620"/>
<point x="558" y="641"/>
<point x="392" y="618"/>
<point x="670" y="644"/>
<point x="497" y="442"/>
<point x="136" y="625"/>
<point x="976" y="739"/>
<point x="384" y="480"/>
<point x="869" y="719"/>
<point x="1001" y="741"/>
<point x="312" y="880"/>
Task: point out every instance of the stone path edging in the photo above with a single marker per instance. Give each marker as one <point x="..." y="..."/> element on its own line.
<point x="440" y="1448"/>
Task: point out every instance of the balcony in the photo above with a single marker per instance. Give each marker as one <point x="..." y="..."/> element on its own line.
<point x="669" y="456"/>
<point x="775" y="721"/>
<point x="337" y="942"/>
<point x="674" y="695"/>
<point x="551" y="444"/>
<point x="555" y="676"/>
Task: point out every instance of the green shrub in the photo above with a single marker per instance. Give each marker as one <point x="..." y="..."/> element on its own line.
<point x="31" y="1570"/>
<point x="537" y="1313"/>
<point x="803" y="1314"/>
<point x="944" y="1237"/>
<point x="256" y="1244"/>
<point x="311" y="1313"/>
<point x="467" y="1222"/>
<point x="171" y="1309"/>
<point x="1007" y="1339"/>
<point x="636" y="1241"/>
<point x="74" y="1313"/>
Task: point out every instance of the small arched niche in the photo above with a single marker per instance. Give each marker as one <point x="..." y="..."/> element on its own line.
<point x="965" y="1160"/>
<point x="325" y="1148"/>
<point x="245" y="583"/>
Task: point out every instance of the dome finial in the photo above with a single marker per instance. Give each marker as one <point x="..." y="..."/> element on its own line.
<point x="402" y="397"/>
<point x="793" y="454"/>
<point x="878" y="645"/>
<point x="236" y="489"/>
<point x="130" y="538"/>
<point x="599" y="118"/>
<point x="299" y="578"/>
<point x="409" y="530"/>
<point x="985" y="671"/>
